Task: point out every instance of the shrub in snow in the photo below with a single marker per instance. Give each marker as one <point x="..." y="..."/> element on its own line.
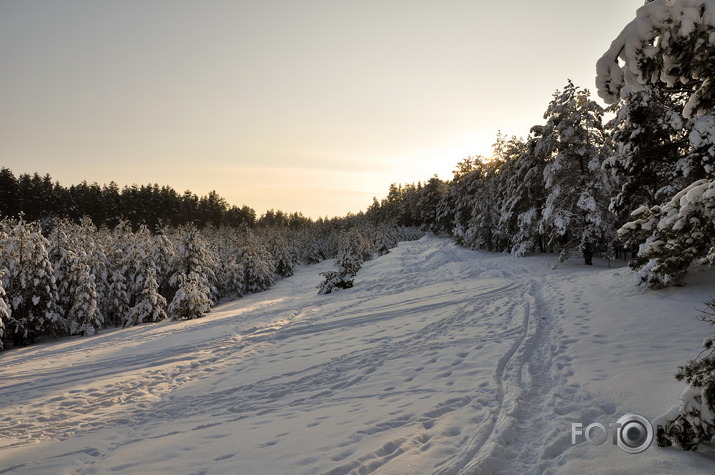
<point x="693" y="422"/>
<point x="191" y="300"/>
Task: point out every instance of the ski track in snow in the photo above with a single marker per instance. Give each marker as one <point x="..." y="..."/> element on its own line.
<point x="439" y="360"/>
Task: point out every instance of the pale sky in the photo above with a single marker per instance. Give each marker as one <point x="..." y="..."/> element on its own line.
<point x="312" y="106"/>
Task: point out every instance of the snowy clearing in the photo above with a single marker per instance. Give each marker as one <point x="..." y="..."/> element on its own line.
<point x="439" y="360"/>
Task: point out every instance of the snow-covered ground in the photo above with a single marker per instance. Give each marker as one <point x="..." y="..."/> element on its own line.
<point x="440" y="360"/>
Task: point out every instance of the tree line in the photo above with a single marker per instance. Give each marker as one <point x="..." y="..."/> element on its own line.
<point x="60" y="277"/>
<point x="582" y="186"/>
<point x="39" y="198"/>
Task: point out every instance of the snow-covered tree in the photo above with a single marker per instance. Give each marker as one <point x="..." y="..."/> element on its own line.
<point x="678" y="233"/>
<point x="258" y="265"/>
<point x="576" y="217"/>
<point x="191" y="299"/>
<point x="384" y="240"/>
<point x="354" y="250"/>
<point x="4" y="312"/>
<point x="671" y="42"/>
<point x="429" y="198"/>
<point x="29" y="282"/>
<point x="78" y="262"/>
<point x="193" y="256"/>
<point x="229" y="272"/>
<point x="649" y="137"/>
<point x="313" y="247"/>
<point x="118" y="301"/>
<point x="282" y="257"/>
<point x="482" y="231"/>
<point x="525" y="201"/>
<point x="150" y="304"/>
<point x="519" y="196"/>
<point x="84" y="317"/>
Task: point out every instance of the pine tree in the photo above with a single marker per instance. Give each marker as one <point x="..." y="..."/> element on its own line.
<point x="150" y="304"/>
<point x="229" y="273"/>
<point x="576" y="216"/>
<point x="4" y="312"/>
<point x="354" y="250"/>
<point x="668" y="44"/>
<point x="191" y="299"/>
<point x="258" y="265"/>
<point x="313" y="247"/>
<point x="428" y="202"/>
<point x="676" y="234"/>
<point x="193" y="256"/>
<point x="234" y="275"/>
<point x="522" y="195"/>
<point x="650" y="138"/>
<point x="282" y="257"/>
<point x="29" y="282"/>
<point x="84" y="317"/>
<point x="118" y="298"/>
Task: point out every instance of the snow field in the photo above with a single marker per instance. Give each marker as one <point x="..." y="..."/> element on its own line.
<point x="439" y="360"/>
